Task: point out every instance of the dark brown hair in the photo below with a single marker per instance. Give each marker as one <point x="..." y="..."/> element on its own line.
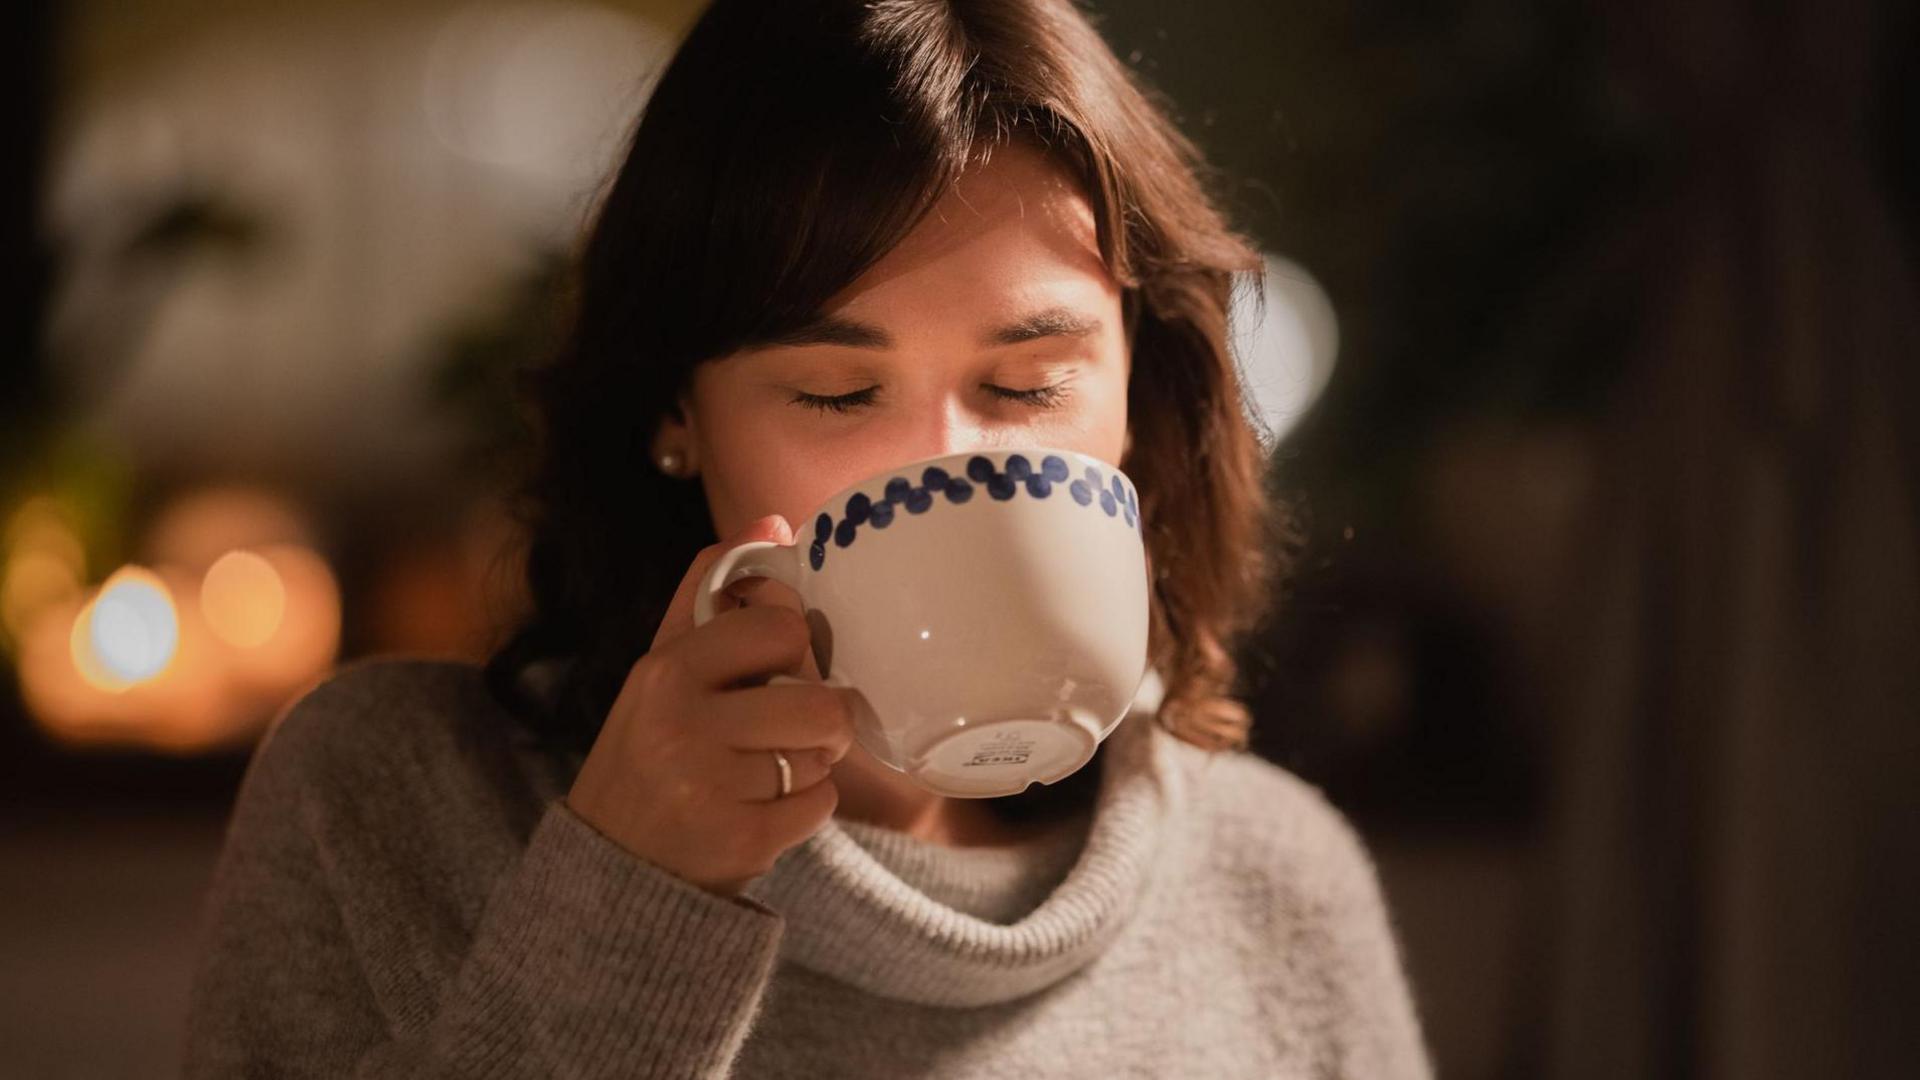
<point x="786" y="148"/>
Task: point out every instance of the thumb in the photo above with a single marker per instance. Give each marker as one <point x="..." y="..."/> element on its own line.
<point x="773" y="527"/>
<point x="679" y="617"/>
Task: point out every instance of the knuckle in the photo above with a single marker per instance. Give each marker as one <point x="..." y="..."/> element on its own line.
<point x="653" y="674"/>
<point x="822" y="714"/>
<point x="819" y="701"/>
<point x="840" y="710"/>
<point x="638" y="671"/>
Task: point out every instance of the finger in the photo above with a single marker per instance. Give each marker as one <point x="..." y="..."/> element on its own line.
<point x="790" y="820"/>
<point x="678" y="620"/>
<point x="746" y="646"/>
<point x="787" y="716"/>
<point x="755" y="775"/>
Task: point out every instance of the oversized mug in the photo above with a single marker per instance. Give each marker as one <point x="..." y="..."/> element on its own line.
<point x="990" y="608"/>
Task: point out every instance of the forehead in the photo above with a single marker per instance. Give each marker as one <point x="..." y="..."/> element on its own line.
<point x="1014" y="223"/>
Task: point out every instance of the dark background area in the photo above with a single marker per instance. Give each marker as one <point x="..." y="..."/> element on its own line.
<point x="1605" y="629"/>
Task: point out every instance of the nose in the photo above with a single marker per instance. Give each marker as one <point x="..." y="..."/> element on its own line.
<point x="953" y="429"/>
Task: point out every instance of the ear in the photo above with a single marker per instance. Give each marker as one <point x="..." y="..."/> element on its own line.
<point x="671" y="434"/>
<point x="675" y="434"/>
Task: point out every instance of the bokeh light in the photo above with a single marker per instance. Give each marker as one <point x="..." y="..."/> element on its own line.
<point x="243" y="599"/>
<point x="229" y="611"/>
<point x="128" y="633"/>
<point x="303" y="642"/>
<point x="45" y="564"/>
<point x="1284" y="338"/>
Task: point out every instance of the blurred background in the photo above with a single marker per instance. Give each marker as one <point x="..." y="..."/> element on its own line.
<point x="1588" y="357"/>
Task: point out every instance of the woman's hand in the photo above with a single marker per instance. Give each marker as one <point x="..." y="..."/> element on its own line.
<point x="681" y="773"/>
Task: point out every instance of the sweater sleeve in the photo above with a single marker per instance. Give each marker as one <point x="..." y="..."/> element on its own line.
<point x="1378" y="1031"/>
<point x="586" y="962"/>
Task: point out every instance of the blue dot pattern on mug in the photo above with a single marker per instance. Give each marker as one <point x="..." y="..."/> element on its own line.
<point x="1116" y="499"/>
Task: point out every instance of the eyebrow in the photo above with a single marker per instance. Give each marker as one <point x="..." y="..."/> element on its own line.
<point x="1056" y="321"/>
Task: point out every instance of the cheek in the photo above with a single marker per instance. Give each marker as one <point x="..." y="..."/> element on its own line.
<point x="746" y="472"/>
<point x="1099" y="425"/>
<point x="761" y="468"/>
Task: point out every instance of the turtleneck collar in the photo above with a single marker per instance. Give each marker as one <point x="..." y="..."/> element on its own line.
<point x="1000" y="883"/>
<point x="848" y="917"/>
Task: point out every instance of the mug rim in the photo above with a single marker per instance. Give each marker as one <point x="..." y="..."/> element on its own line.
<point x="959" y="465"/>
<point x="839" y="498"/>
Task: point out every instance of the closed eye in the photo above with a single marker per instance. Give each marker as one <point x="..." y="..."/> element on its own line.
<point x="1044" y="397"/>
<point x="843" y="403"/>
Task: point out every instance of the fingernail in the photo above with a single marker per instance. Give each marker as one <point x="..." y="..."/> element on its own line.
<point x="759" y="525"/>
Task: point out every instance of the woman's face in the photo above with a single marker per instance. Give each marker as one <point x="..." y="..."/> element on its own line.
<point x="993" y="323"/>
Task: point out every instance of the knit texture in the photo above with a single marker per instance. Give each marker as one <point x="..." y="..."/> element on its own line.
<point x="404" y="892"/>
<point x="996" y="884"/>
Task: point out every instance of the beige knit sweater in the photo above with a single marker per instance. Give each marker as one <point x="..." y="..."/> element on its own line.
<point x="403" y="893"/>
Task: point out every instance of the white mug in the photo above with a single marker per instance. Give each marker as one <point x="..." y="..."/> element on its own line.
<point x="990" y="607"/>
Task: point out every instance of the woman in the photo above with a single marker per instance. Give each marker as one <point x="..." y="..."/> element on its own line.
<point x="846" y="235"/>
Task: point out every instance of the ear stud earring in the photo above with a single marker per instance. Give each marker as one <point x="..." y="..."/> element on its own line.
<point x="670" y="463"/>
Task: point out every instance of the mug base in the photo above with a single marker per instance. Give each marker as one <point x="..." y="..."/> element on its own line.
<point x="1003" y="757"/>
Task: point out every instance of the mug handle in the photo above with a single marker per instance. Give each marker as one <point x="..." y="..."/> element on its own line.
<point x="754" y="559"/>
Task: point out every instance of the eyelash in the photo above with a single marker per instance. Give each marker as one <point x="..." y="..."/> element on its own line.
<point x="1044" y="397"/>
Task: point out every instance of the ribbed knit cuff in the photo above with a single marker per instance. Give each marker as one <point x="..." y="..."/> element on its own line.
<point x="593" y="962"/>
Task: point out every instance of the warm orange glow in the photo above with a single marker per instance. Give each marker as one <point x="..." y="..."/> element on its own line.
<point x="34" y="581"/>
<point x="185" y="708"/>
<point x="200" y="527"/>
<point x="307" y="636"/>
<point x="243" y="599"/>
<point x="44" y="564"/>
<point x="41" y="527"/>
<point x="127" y="633"/>
<point x="448" y="594"/>
<point x="59" y="698"/>
<point x="235" y="616"/>
<point x="82" y="659"/>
